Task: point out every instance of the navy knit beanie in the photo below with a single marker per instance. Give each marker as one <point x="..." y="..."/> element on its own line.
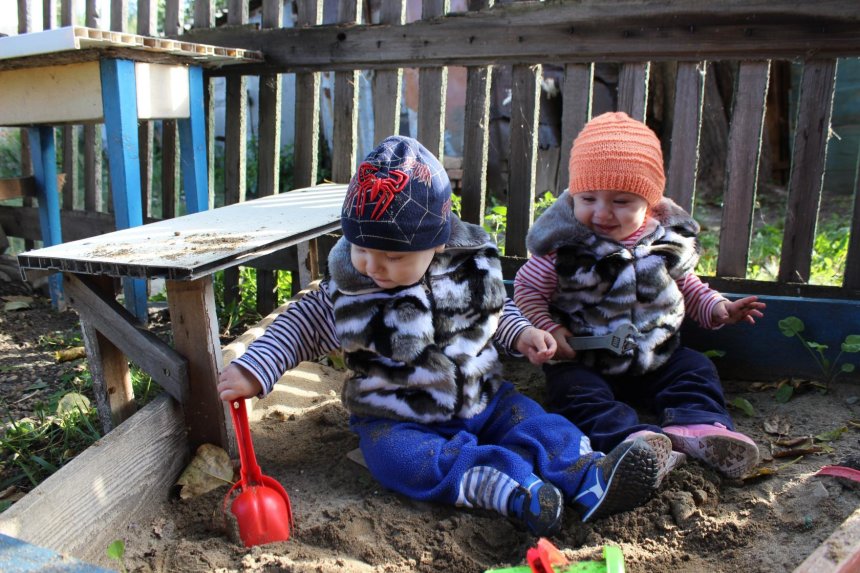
<point x="399" y="200"/>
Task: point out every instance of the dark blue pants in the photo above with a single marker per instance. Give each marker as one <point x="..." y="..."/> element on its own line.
<point x="685" y="390"/>
<point x="514" y="435"/>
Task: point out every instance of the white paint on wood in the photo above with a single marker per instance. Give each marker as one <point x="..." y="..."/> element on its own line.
<point x="162" y="91"/>
<point x="51" y="95"/>
<point x="199" y="244"/>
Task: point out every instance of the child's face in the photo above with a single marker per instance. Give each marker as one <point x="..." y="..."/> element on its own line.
<point x="390" y="269"/>
<point x="611" y="214"/>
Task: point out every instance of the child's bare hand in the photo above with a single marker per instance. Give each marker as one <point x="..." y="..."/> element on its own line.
<point x="745" y="309"/>
<point x="537" y="345"/>
<point x="235" y="382"/>
<point x="564" y="352"/>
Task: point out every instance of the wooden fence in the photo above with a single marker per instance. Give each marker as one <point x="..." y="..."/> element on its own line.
<point x="516" y="40"/>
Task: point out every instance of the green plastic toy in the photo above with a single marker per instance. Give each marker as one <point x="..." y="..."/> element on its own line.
<point x="546" y="558"/>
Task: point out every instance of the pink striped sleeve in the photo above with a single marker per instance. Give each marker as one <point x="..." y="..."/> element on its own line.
<point x="534" y="286"/>
<point x="699" y="299"/>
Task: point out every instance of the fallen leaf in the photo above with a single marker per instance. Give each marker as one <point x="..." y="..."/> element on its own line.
<point x="791" y="442"/>
<point x="832" y="435"/>
<point x="16" y="305"/>
<point x="69" y="354"/>
<point x="804" y="451"/>
<point x="72" y="402"/>
<point x="744" y="406"/>
<point x="210" y="468"/>
<point x="776" y="425"/>
<point x="784" y="393"/>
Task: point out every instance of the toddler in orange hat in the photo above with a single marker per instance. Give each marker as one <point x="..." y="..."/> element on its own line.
<point x="613" y="255"/>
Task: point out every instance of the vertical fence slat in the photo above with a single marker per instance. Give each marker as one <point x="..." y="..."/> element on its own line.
<point x="686" y="129"/>
<point x="576" y="96"/>
<point x="525" y="107"/>
<point x="119" y="15"/>
<point x="476" y="140"/>
<point x="633" y="89"/>
<point x="146" y="26"/>
<point x="92" y="139"/>
<point x="270" y="151"/>
<point x="235" y="143"/>
<point x="742" y="164"/>
<point x="345" y="109"/>
<point x="852" y="263"/>
<point x="70" y="140"/>
<point x="49" y="11"/>
<point x="817" y="86"/>
<point x="387" y="84"/>
<point x="306" y="146"/>
<point x="169" y="135"/>
<point x="432" y="87"/>
<point x="476" y="136"/>
<point x="25" y="25"/>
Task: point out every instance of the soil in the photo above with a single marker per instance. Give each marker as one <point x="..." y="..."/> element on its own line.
<point x="345" y="521"/>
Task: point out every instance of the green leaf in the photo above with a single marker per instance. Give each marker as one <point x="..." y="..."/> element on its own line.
<point x="744" y="406"/>
<point x="816" y="346"/>
<point x="72" y="402"/>
<point x="790" y="325"/>
<point x="847" y="367"/>
<point x="784" y="393"/>
<point x="715" y="353"/>
<point x="851" y="344"/>
<point x="831" y="435"/>
<point x="116" y="550"/>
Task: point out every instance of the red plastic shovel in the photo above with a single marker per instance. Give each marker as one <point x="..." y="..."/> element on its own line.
<point x="262" y="508"/>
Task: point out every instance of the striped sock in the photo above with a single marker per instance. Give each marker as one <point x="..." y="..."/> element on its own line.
<point x="487" y="488"/>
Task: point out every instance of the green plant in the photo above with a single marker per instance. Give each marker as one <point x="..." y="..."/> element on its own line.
<point x="791" y="326"/>
<point x="116" y="551"/>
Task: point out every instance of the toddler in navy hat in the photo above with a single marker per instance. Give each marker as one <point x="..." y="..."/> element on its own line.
<point x="415" y="299"/>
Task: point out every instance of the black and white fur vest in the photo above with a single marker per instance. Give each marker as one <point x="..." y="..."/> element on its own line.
<point x="602" y="284"/>
<point x="423" y="352"/>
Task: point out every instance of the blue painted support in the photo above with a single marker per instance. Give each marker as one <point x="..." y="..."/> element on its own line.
<point x="762" y="352"/>
<point x="192" y="139"/>
<point x="119" y="99"/>
<point x="18" y="556"/>
<point x="44" y="161"/>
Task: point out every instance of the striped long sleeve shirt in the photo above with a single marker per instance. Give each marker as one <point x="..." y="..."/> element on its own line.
<point x="306" y="331"/>
<point x="537" y="281"/>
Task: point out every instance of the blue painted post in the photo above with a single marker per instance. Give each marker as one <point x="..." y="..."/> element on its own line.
<point x="192" y="140"/>
<point x="44" y="161"/>
<point x="119" y="99"/>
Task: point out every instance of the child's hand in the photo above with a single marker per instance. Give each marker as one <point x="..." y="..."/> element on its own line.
<point x="745" y="309"/>
<point x="235" y="382"/>
<point x="537" y="345"/>
<point x="564" y="352"/>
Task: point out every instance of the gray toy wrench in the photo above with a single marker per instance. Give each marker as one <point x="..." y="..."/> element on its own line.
<point x="618" y="341"/>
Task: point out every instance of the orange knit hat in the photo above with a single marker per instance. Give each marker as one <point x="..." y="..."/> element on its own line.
<point x="614" y="152"/>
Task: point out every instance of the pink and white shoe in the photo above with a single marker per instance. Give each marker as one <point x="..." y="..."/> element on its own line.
<point x="667" y="459"/>
<point x="731" y="453"/>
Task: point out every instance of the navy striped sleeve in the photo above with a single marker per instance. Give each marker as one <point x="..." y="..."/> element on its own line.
<point x="305" y="331"/>
<point x="511" y="324"/>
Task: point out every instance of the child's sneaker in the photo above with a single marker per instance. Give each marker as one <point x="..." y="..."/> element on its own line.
<point x="539" y="506"/>
<point x="621" y="480"/>
<point x="667" y="459"/>
<point x="731" y="453"/>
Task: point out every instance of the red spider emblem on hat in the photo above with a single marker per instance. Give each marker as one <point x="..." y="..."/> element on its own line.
<point x="382" y="189"/>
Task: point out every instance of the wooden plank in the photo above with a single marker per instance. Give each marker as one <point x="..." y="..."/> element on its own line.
<point x="633" y="89"/>
<point x="17" y="187"/>
<point x="111" y="378"/>
<point x="270" y="150"/>
<point x="566" y="32"/>
<point x="24" y="222"/>
<point x="119" y="15"/>
<point x="306" y="147"/>
<point x="345" y="109"/>
<point x="476" y="141"/>
<point x="70" y="166"/>
<point x="92" y="500"/>
<point x="143" y="348"/>
<point x="195" y="336"/>
<point x="812" y="131"/>
<point x="840" y="552"/>
<point x="432" y="88"/>
<point x="686" y="129"/>
<point x="147" y="14"/>
<point x="525" y="107"/>
<point x="169" y="168"/>
<point x="742" y="164"/>
<point x="577" y="98"/>
<point x="852" y="262"/>
<point x="387" y="84"/>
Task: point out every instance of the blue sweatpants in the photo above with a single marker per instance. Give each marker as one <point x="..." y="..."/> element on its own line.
<point x="685" y="390"/>
<point x="514" y="435"/>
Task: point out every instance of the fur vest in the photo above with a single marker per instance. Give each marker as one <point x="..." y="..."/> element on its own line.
<point x="602" y="284"/>
<point x="423" y="352"/>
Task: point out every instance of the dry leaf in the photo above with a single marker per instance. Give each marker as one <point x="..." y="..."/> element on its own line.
<point x="210" y="468"/>
<point x="791" y="442"/>
<point x="776" y="425"/>
<point x="73" y="402"/>
<point x="69" y="354"/>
